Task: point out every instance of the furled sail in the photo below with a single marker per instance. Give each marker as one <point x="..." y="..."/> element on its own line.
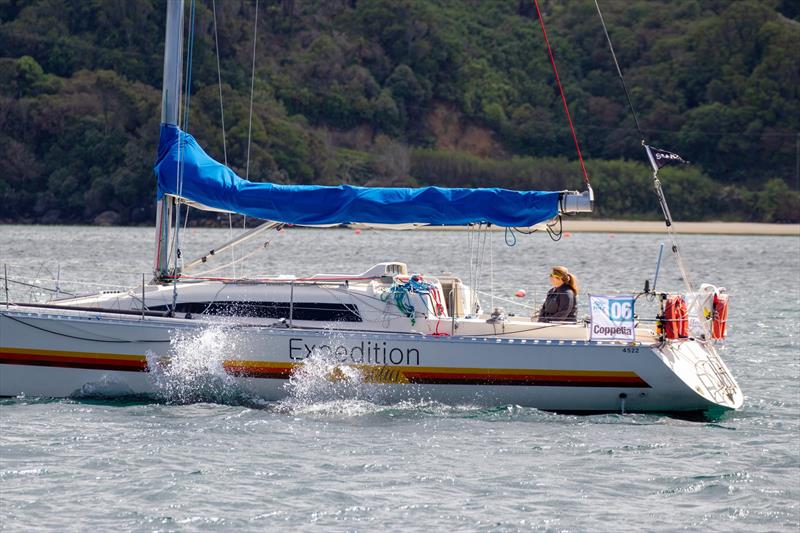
<point x="213" y="185"/>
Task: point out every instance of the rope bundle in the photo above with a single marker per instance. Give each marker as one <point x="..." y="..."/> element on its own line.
<point x="399" y="294"/>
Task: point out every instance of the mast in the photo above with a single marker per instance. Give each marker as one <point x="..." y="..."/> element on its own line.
<point x="170" y="109"/>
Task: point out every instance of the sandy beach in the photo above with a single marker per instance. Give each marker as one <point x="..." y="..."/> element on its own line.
<point x="707" y="228"/>
<point x="575" y="225"/>
<point x="579" y="225"/>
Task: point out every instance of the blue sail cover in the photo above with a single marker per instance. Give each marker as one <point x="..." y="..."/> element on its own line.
<point x="212" y="184"/>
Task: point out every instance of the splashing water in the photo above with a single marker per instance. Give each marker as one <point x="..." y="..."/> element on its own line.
<point x="194" y="370"/>
<point x="324" y="382"/>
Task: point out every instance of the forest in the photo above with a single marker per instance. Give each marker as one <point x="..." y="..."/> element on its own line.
<point x="407" y="93"/>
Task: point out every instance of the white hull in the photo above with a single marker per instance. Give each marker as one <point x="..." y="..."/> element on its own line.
<point x="54" y="353"/>
<point x="403" y="336"/>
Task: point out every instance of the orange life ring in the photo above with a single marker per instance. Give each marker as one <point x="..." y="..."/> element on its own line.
<point x="676" y="318"/>
<point x="720" y="320"/>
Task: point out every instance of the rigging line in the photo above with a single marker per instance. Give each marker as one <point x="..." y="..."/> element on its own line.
<point x="233" y="248"/>
<point x="40" y="287"/>
<point x="188" y="77"/>
<point x="250" y="122"/>
<point x="476" y="268"/>
<point x="509" y="232"/>
<point x="219" y="83"/>
<point x="486" y="233"/>
<point x="471" y="235"/>
<point x="179" y="257"/>
<point x="480" y="271"/>
<point x="524" y="231"/>
<point x="222" y="117"/>
<point x="561" y="90"/>
<point x="556" y="235"/>
<point x="473" y="255"/>
<point x="252" y="86"/>
<point x="619" y="70"/>
<point x="656" y="182"/>
<point x="520" y="304"/>
<point x="38" y="274"/>
<point x="480" y="258"/>
<point x="676" y="250"/>
<point x="491" y="268"/>
<point x="687" y="280"/>
<point x="181" y="169"/>
<point x="469" y="255"/>
<point x="249" y="127"/>
<point x="186" y="219"/>
<point x="58" y="281"/>
<point x="101" y="270"/>
<point x="71" y="282"/>
<point x="233" y="263"/>
<point x="244" y="228"/>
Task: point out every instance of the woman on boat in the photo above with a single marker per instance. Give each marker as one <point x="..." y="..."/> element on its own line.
<point x="561" y="304"/>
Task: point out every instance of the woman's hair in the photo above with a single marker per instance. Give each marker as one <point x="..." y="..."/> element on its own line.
<point x="569" y="279"/>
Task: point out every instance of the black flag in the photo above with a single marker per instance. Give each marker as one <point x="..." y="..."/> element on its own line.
<point x="659" y="158"/>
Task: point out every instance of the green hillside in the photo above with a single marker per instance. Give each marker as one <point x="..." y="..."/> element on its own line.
<point x="408" y="92"/>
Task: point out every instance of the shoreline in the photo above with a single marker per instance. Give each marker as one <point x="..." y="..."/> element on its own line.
<point x="695" y="228"/>
<point x="574" y="225"/>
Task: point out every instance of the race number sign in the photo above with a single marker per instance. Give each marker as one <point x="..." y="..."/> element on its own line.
<point x="611" y="318"/>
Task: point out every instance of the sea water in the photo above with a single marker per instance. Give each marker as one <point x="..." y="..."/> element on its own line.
<point x="203" y="457"/>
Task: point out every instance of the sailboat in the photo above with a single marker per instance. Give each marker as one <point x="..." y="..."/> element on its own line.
<point x="412" y="336"/>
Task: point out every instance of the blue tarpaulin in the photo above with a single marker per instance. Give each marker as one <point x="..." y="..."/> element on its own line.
<point x="212" y="184"/>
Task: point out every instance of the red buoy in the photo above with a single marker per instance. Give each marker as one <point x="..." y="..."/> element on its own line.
<point x="520" y="293"/>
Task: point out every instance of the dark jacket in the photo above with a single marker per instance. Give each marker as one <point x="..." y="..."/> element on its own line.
<point x="559" y="306"/>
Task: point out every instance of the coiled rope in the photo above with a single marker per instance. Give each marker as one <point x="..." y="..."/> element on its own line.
<point x="400" y="293"/>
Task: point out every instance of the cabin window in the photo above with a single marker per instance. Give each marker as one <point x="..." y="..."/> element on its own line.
<point x="322" y="312"/>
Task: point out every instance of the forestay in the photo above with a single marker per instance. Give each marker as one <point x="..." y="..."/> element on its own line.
<point x="213" y="185"/>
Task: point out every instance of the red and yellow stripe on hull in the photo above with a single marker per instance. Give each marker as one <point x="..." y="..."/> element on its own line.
<point x="525" y="377"/>
<point x="375" y="374"/>
<point x="94" y="361"/>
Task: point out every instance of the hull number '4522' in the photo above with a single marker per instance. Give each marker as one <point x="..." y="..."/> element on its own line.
<point x="630" y="350"/>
